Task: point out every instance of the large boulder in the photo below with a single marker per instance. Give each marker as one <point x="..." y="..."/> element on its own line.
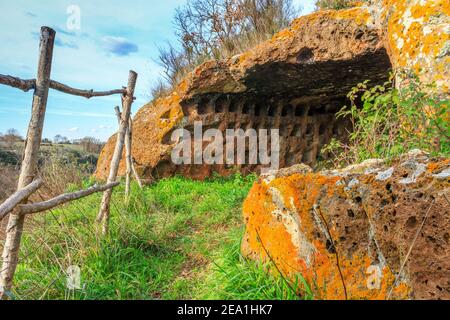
<point x="371" y="231"/>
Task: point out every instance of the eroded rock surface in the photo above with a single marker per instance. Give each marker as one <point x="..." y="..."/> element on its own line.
<point x="294" y="82"/>
<point x="345" y="230"/>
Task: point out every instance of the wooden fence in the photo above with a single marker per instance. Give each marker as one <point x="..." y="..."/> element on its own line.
<point x="17" y="205"/>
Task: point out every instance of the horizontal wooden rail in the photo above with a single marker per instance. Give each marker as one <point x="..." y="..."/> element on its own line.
<point x="27" y="85"/>
<point x="20" y="195"/>
<point x="18" y="83"/>
<point x="84" y="93"/>
<point x="64" y="198"/>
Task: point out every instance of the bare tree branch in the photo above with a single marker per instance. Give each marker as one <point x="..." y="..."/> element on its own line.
<point x="20" y="195"/>
<point x="18" y="83"/>
<point x="64" y="198"/>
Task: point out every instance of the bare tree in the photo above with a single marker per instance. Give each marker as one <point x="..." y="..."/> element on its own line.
<point x="60" y="139"/>
<point x="90" y="144"/>
<point x="11" y="137"/>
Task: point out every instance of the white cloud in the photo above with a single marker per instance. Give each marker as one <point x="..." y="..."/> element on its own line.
<point x="74" y="129"/>
<point x="119" y="46"/>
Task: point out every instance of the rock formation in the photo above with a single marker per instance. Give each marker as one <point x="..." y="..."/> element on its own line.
<point x="370" y="231"/>
<point x="295" y="82"/>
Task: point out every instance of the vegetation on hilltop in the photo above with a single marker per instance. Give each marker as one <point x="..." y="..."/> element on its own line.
<point x="59" y="162"/>
<point x="217" y="29"/>
<point x="336" y="4"/>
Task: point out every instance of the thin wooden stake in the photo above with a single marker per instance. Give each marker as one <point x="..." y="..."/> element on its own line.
<point x="104" y="212"/>
<point x="30" y="159"/>
<point x="136" y="176"/>
<point x="133" y="169"/>
<point x="128" y="161"/>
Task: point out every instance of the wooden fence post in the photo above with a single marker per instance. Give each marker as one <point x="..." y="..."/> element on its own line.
<point x="104" y="212"/>
<point x="30" y="159"/>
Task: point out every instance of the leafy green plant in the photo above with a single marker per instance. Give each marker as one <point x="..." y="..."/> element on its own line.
<point x="387" y="122"/>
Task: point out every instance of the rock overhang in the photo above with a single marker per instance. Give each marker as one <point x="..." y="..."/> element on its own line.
<point x="307" y="68"/>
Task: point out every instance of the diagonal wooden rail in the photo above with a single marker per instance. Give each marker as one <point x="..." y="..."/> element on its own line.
<point x="18" y="197"/>
<point x="64" y="198"/>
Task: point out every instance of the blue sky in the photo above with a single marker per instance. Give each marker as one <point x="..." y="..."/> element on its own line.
<point x="112" y="39"/>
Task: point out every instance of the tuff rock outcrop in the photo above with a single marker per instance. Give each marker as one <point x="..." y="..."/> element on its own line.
<point x="371" y="231"/>
<point x="295" y="82"/>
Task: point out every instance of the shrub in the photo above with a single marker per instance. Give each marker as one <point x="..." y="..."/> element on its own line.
<point x="391" y="122"/>
<point x="9" y="158"/>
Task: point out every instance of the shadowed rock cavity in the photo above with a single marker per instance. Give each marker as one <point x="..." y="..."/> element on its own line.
<point x="300" y="99"/>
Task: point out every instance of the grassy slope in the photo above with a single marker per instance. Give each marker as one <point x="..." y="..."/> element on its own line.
<point x="178" y="239"/>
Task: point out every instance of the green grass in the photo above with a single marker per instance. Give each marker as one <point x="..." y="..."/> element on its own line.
<point x="178" y="239"/>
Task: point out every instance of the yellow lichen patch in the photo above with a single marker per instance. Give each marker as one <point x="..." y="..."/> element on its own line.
<point x="360" y="15"/>
<point x="416" y="33"/>
<point x="435" y="167"/>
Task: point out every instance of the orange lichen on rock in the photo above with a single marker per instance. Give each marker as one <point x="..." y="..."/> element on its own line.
<point x="418" y="38"/>
<point x="347" y="233"/>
